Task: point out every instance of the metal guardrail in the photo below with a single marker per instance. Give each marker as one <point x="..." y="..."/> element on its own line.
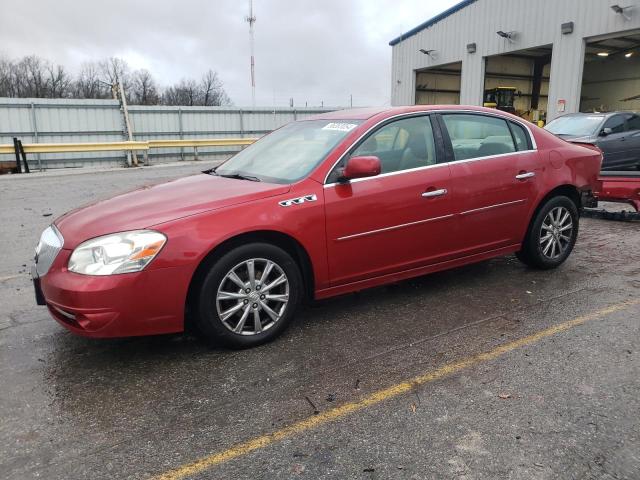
<point x="77" y="147"/>
<point x="218" y="142"/>
<point x="126" y="146"/>
<point x="144" y="146"/>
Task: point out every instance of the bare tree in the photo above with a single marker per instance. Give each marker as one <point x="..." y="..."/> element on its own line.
<point x="115" y="70"/>
<point x="211" y="90"/>
<point x="87" y="84"/>
<point x="30" y="77"/>
<point x="58" y="82"/>
<point x="186" y="93"/>
<point x="142" y="89"/>
<point x="6" y="78"/>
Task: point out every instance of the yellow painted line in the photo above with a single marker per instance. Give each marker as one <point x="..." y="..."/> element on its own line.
<point x="333" y="414"/>
<point x="10" y="277"/>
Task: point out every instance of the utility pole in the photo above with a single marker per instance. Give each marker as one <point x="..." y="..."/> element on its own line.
<point x="251" y="19"/>
<point x="127" y="123"/>
<point x="117" y="92"/>
<point x="351" y="100"/>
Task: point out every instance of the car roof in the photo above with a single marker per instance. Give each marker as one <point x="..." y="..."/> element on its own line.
<point x="367" y="113"/>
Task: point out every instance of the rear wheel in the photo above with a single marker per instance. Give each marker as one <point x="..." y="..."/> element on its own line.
<point x="249" y="296"/>
<point x="552" y="234"/>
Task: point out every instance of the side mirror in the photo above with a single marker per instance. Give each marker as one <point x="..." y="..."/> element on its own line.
<point x="606" y="131"/>
<point x="360" y="167"/>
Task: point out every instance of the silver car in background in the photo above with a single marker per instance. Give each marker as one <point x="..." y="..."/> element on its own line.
<point x="617" y="134"/>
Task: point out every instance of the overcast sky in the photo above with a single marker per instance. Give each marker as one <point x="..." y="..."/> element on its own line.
<point x="311" y="50"/>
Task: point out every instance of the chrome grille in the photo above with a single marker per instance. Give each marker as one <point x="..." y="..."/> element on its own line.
<point x="50" y="244"/>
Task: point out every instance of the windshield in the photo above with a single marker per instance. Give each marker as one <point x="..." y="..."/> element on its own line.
<point x="575" y="125"/>
<point x="289" y="153"/>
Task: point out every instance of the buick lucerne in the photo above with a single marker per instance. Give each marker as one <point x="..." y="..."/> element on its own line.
<point x="320" y="207"/>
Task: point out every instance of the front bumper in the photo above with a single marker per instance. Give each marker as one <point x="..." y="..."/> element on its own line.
<point x="143" y="303"/>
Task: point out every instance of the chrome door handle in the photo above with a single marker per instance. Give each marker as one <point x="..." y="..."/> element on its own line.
<point x="522" y="176"/>
<point x="435" y="193"/>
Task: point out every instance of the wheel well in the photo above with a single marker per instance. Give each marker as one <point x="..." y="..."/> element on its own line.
<point x="279" y="239"/>
<point x="566" y="190"/>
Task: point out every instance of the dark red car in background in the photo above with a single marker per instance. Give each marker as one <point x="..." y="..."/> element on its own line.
<point x="342" y="202"/>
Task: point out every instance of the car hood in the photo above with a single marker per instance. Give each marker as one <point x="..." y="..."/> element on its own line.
<point x="152" y="205"/>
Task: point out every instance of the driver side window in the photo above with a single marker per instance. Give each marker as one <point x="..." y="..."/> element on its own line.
<point x="400" y="145"/>
<point x="615" y="123"/>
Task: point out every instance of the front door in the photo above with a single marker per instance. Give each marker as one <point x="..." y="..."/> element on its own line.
<point x="400" y="219"/>
<point x="614" y="145"/>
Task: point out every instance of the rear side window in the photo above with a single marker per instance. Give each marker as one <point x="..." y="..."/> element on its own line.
<point x="476" y="136"/>
<point x="633" y="122"/>
<point x="520" y="136"/>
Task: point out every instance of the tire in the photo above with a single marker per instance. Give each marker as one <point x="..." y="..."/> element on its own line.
<point x="243" y="317"/>
<point x="552" y="234"/>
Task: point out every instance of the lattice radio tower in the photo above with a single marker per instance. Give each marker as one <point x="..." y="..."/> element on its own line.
<point x="251" y="19"/>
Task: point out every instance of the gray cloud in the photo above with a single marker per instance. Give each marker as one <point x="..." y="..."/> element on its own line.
<point x="312" y="51"/>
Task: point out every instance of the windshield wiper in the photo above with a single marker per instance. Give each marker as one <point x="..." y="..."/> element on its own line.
<point x="239" y="176"/>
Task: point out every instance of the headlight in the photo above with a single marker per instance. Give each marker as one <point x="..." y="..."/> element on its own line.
<point x="124" y="252"/>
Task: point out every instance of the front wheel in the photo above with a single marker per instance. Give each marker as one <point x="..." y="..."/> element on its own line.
<point x="249" y="296"/>
<point x="551" y="235"/>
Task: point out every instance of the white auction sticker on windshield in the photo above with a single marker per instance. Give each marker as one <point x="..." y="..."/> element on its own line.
<point x="340" y="127"/>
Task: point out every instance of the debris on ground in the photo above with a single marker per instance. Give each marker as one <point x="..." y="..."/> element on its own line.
<point x="315" y="409"/>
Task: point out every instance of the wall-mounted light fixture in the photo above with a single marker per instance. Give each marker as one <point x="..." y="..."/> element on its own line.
<point x="471" y="48"/>
<point x="628" y="55"/>
<point x="429" y="53"/>
<point x="603" y="54"/>
<point x="566" y="28"/>
<point x="508" y="35"/>
<point x="622" y="11"/>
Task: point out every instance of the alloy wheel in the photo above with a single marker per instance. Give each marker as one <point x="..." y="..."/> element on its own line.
<point x="556" y="232"/>
<point x="252" y="296"/>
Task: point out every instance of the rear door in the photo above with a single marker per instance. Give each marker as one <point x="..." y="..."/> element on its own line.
<point x="495" y="176"/>
<point x="632" y="141"/>
<point x="400" y="219"/>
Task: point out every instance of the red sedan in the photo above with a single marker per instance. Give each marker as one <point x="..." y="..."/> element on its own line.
<point x="321" y="207"/>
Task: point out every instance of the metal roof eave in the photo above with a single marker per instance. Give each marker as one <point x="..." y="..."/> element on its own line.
<point x="457" y="7"/>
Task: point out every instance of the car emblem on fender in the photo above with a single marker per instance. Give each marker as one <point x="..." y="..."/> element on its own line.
<point x="298" y="201"/>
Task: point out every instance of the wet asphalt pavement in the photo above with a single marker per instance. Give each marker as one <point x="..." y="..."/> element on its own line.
<point x="566" y="405"/>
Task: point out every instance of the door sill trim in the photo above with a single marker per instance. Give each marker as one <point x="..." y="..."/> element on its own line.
<point x="413" y="272"/>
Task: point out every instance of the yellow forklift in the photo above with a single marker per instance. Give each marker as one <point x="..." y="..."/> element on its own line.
<point x="500" y="98"/>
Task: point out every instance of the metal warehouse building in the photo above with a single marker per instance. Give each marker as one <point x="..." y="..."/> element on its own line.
<point x="561" y="55"/>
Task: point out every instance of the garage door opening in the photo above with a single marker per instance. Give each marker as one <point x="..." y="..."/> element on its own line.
<point x="518" y="82"/>
<point x="611" y="75"/>
<point x="439" y="85"/>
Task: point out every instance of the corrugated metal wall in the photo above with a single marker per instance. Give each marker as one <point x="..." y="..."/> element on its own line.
<point x="62" y="121"/>
<point x="537" y="23"/>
